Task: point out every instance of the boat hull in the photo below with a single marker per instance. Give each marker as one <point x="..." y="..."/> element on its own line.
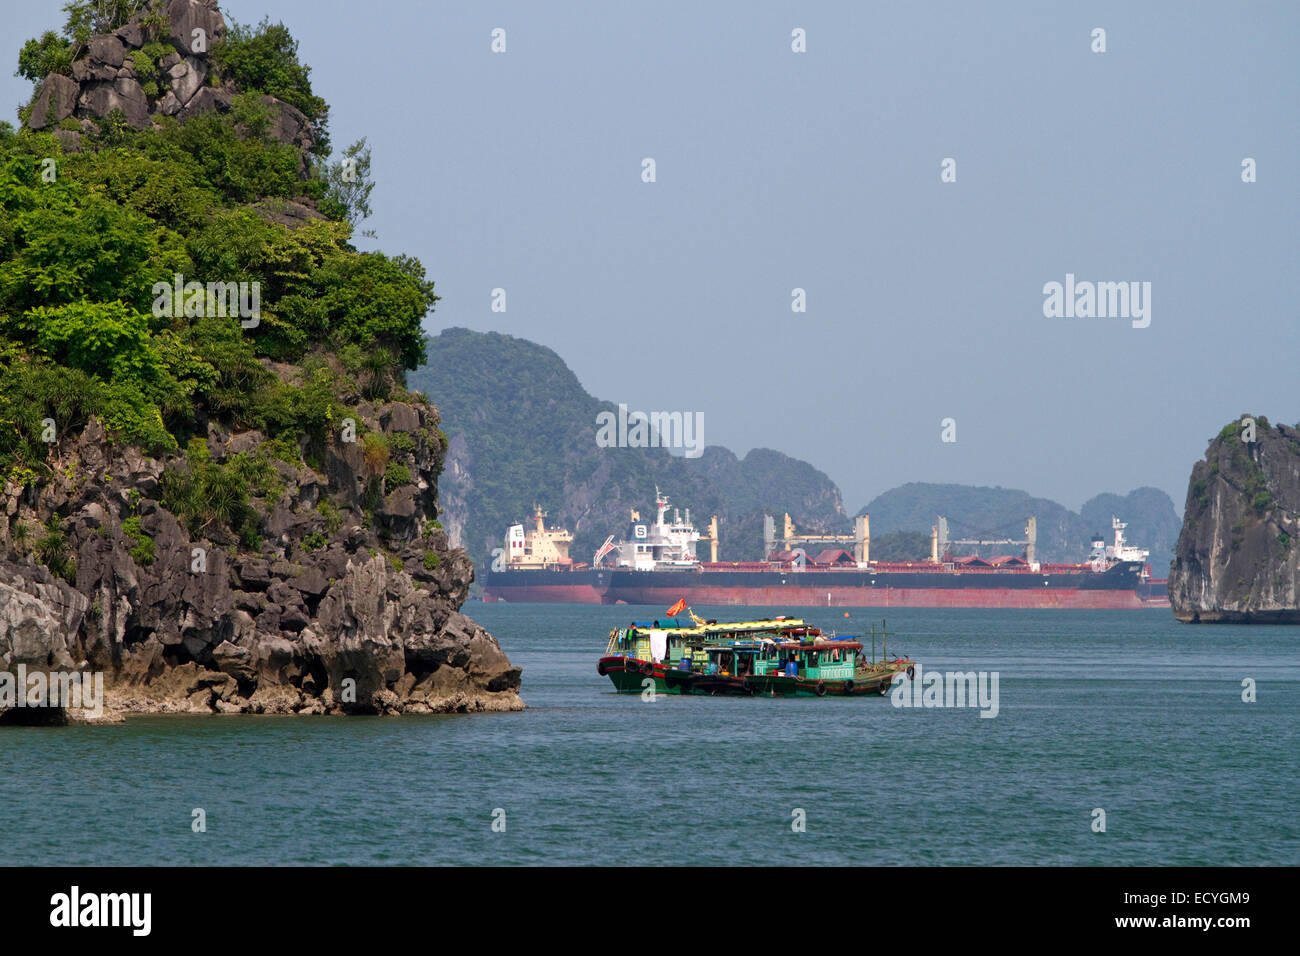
<point x="630" y="675"/>
<point x="875" y="684"/>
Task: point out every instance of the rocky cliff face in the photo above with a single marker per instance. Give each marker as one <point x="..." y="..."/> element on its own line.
<point x="115" y="73"/>
<point x="349" y="605"/>
<point x="303" y="574"/>
<point x="1238" y="557"/>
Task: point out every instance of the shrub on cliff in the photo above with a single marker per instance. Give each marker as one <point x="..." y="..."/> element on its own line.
<point x="86" y="239"/>
<point x="54" y="52"/>
<point x="264" y="59"/>
<point x="39" y="57"/>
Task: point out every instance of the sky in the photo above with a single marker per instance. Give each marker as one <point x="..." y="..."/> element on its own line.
<point x="821" y="171"/>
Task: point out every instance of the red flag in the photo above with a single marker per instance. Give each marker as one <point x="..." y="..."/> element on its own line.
<point x="677" y="608"/>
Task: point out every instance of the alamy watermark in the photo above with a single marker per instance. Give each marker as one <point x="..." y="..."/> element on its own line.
<point x="1099" y="300"/>
<point x="181" y="299"/>
<point x="67" y="689"/>
<point x="950" y="689"/>
<point x="683" y="430"/>
<point x="74" y="908"/>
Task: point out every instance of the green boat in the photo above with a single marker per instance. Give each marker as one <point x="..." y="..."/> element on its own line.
<point x="777" y="657"/>
<point x="648" y="651"/>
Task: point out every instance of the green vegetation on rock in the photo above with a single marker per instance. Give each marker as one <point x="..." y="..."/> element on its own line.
<point x="82" y="330"/>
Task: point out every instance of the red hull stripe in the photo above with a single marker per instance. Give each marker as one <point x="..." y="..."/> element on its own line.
<point x="559" y="594"/>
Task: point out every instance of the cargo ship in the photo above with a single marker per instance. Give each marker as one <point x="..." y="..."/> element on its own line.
<point x="534" y="567"/>
<point x="656" y="563"/>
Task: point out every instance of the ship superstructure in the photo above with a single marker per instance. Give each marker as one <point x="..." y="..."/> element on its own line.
<point x="663" y="545"/>
<point x="535" y="566"/>
<point x="539" y="547"/>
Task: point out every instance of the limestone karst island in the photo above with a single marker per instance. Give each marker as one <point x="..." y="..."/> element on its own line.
<point x="218" y="491"/>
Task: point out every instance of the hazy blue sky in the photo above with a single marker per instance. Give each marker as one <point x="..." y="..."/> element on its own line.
<point x="821" y="170"/>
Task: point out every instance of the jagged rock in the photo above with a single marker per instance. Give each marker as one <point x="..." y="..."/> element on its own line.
<point x="83" y="71"/>
<point x="169" y="105"/>
<point x="401" y="503"/>
<point x="187" y="78"/>
<point x="185" y="16"/>
<point x="250" y="602"/>
<point x="288" y="123"/>
<point x="311" y="581"/>
<point x="131" y="35"/>
<point x="314" y="613"/>
<point x="1238" y="556"/>
<point x="55" y="102"/>
<point x="399" y="417"/>
<point x="206" y="100"/>
<point x="256" y="632"/>
<point x="243" y="442"/>
<point x="294" y="619"/>
<point x="101" y="98"/>
<point x="105" y="78"/>
<point x="254" y="575"/>
<point x="107" y="49"/>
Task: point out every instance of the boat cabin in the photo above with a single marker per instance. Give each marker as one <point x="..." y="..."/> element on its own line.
<point x="646" y="642"/>
<point x="811" y="660"/>
<point x="649" y="641"/>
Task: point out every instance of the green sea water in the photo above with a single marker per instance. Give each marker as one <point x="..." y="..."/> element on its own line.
<point x="1124" y="711"/>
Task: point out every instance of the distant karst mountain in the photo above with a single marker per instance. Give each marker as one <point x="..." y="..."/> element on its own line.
<point x="523" y="431"/>
<point x="533" y="441"/>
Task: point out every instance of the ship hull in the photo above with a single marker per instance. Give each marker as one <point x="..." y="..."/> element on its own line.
<point x="546" y="587"/>
<point x="1116" y="589"/>
<point x="1061" y="598"/>
<point x="1113" y="589"/>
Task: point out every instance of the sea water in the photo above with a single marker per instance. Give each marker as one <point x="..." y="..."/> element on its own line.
<point x="1123" y="712"/>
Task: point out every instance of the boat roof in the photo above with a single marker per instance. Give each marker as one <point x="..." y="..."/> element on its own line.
<point x="781" y="623"/>
<point x="820" y="645"/>
<point x="817" y="645"/>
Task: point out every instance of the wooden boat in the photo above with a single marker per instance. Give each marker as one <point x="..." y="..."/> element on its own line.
<point x="648" y="651"/>
<point x="778" y="657"/>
